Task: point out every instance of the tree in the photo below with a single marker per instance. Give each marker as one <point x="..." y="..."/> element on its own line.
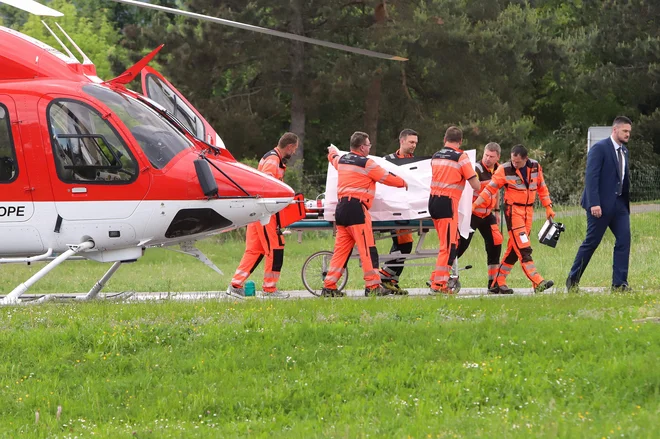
<point x="94" y="34"/>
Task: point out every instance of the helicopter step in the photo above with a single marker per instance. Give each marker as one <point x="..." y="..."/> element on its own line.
<point x="188" y="248"/>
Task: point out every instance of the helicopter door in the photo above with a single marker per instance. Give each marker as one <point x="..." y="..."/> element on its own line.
<point x="16" y="203"/>
<point x="94" y="173"/>
<point x="158" y="89"/>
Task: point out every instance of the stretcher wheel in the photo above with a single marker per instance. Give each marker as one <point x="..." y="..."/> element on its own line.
<point x="314" y="270"/>
<point x="454" y="284"/>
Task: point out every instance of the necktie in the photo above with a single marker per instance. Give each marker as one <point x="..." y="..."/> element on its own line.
<point x="620" y="154"/>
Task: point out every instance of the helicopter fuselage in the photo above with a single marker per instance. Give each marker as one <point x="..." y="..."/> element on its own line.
<point x="85" y="160"/>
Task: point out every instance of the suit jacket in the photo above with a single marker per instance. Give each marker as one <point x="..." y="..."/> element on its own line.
<point x="602" y="179"/>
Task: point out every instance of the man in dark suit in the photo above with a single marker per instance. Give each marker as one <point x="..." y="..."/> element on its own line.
<point x="606" y="199"/>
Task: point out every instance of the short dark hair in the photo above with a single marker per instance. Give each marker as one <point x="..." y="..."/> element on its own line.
<point x="287" y="139"/>
<point x="520" y="151"/>
<point x="620" y="120"/>
<point x="358" y="138"/>
<point x="453" y="134"/>
<point x="407" y="132"/>
<point x="494" y="147"/>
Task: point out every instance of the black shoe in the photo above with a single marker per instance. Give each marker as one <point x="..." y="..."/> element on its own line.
<point x="330" y="292"/>
<point x="544" y="285"/>
<point x="393" y="287"/>
<point x="494" y="289"/>
<point x="442" y="291"/>
<point x="378" y="291"/>
<point x="572" y="286"/>
<point x="503" y="289"/>
<point x="623" y="288"/>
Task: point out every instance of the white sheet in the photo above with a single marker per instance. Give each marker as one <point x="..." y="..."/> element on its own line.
<point x="397" y="203"/>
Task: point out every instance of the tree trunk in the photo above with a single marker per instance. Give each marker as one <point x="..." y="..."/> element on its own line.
<point x="372" y="102"/>
<point x="297" y="54"/>
<point x="371" y="110"/>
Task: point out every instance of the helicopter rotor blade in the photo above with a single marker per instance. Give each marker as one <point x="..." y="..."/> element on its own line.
<point x="264" y="30"/>
<point x="33" y="7"/>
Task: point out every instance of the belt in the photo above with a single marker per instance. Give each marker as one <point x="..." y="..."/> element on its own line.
<point x="521" y="204"/>
<point x="349" y="198"/>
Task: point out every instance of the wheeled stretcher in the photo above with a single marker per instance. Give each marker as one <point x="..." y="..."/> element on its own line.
<point x="316" y="265"/>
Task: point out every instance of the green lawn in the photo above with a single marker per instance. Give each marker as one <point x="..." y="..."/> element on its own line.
<point x="544" y="366"/>
<point x="164" y="270"/>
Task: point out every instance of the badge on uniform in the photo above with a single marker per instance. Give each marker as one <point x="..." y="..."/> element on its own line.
<point x="549" y="233"/>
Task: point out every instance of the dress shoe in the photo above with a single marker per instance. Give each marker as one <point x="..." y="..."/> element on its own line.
<point x="572" y="286"/>
<point x="623" y="288"/>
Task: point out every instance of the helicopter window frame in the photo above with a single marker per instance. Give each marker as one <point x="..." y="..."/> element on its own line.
<point x="179" y="106"/>
<point x="4" y="112"/>
<point x="59" y="165"/>
<point x="157" y="135"/>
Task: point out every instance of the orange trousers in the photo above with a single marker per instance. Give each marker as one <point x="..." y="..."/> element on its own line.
<point x="348" y="236"/>
<point x="261" y="241"/>
<point x="447" y="227"/>
<point x="519" y="248"/>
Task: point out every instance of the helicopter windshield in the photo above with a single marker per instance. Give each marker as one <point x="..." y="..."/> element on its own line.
<point x="159" y="140"/>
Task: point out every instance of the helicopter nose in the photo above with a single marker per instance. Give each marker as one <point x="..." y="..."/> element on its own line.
<point x="275" y="195"/>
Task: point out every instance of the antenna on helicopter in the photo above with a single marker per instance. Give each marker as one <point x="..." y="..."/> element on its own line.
<point x="33" y="7"/>
<point x="66" y="49"/>
<point x="86" y="60"/>
<point x="88" y="66"/>
<point x="264" y="30"/>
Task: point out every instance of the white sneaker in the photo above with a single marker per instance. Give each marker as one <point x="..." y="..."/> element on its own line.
<point x="232" y="291"/>
<point x="277" y="294"/>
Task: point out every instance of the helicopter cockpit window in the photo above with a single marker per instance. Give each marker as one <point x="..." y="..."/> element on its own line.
<point x="8" y="169"/>
<point x="157" y="137"/>
<point x="158" y="91"/>
<point x="86" y="147"/>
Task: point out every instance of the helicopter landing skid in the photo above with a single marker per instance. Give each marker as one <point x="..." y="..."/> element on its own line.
<point x="66" y="297"/>
<point x="13" y="297"/>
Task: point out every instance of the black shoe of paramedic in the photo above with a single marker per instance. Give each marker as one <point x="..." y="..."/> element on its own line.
<point x="544" y="285"/>
<point x="377" y="291"/>
<point x="393" y="286"/>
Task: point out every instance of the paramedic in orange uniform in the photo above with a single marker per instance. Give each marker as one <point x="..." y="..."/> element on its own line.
<point x="485" y="219"/>
<point x="356" y="189"/>
<point x="521" y="179"/>
<point x="402" y="240"/>
<point x="266" y="240"/>
<point x="451" y="168"/>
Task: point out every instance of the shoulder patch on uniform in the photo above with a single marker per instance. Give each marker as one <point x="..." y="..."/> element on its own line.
<point x="448" y="154"/>
<point x="353" y="159"/>
<point x="268" y="154"/>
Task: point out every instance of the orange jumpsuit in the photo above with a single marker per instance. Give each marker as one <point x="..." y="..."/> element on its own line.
<point x="485" y="221"/>
<point x="402" y="240"/>
<point x="265" y="240"/>
<point x="520" y="188"/>
<point x="356" y="189"/>
<point x="451" y="168"/>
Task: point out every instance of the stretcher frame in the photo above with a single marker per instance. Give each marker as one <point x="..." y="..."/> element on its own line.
<point x="316" y="265"/>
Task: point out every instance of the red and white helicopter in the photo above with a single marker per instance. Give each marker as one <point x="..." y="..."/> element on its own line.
<point x="93" y="169"/>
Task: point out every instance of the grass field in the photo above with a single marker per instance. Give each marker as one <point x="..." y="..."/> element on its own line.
<point x="165" y="270"/>
<point x="546" y="366"/>
<point x="555" y="365"/>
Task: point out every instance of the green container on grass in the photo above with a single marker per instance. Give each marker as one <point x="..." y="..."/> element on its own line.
<point x="250" y="288"/>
